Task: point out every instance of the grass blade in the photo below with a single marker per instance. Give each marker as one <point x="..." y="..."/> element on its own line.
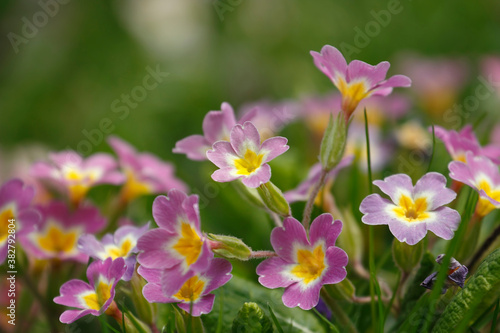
<point x="275" y="320"/>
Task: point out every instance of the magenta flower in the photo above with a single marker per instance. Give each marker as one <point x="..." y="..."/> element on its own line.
<point x="56" y="237"/>
<point x="216" y="127"/>
<point x="145" y="173"/>
<point x="74" y="176"/>
<point x="459" y="143"/>
<point x="302" y="192"/>
<point x="414" y="209"/>
<point x="123" y="244"/>
<point x="358" y="80"/>
<point x="94" y="297"/>
<point x="189" y="291"/>
<point x="15" y="201"/>
<point x="482" y="175"/>
<point x="245" y="157"/>
<point x="179" y="240"/>
<point x="303" y="266"/>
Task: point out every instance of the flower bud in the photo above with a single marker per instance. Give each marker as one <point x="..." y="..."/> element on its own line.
<point x="230" y="247"/>
<point x="273" y="198"/>
<point x="407" y="256"/>
<point x="333" y="142"/>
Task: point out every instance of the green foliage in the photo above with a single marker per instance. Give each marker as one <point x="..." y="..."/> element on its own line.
<point x="251" y="319"/>
<point x="239" y="291"/>
<point x="478" y="294"/>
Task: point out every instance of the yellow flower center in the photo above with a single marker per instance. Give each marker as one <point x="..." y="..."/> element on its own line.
<point x="5" y="215"/>
<point x="189" y="244"/>
<point x="484" y="206"/>
<point x="310" y="264"/>
<point x="123" y="251"/>
<point x="133" y="187"/>
<point x="191" y="290"/>
<point x="249" y="163"/>
<point x="96" y="300"/>
<point x="56" y="240"/>
<point x="352" y="94"/>
<point x="410" y="210"/>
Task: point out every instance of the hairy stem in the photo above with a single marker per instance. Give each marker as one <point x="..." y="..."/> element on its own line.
<point x="310" y="202"/>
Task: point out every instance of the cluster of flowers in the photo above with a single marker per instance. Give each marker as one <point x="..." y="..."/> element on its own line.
<point x="183" y="265"/>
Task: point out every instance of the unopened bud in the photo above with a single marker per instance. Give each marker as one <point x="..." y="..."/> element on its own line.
<point x="407" y="256"/>
<point x="273" y="198"/>
<point x="333" y="143"/>
<point x="230" y="247"/>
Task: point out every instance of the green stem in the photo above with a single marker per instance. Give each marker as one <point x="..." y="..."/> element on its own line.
<point x="338" y="312"/>
<point x="310" y="202"/>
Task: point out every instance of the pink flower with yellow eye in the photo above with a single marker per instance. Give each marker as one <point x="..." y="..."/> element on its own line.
<point x="123" y="243"/>
<point x="17" y="217"/>
<point x="95" y="297"/>
<point x="304" y="265"/>
<point x="482" y="175"/>
<point x="459" y="143"/>
<point x="74" y="176"/>
<point x="414" y="209"/>
<point x="356" y="80"/>
<point x="145" y="173"/>
<point x="178" y="240"/>
<point x="56" y="237"/>
<point x="191" y="292"/>
<point x="244" y="157"/>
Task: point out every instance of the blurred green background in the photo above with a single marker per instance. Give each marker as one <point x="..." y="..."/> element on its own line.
<point x="61" y="72"/>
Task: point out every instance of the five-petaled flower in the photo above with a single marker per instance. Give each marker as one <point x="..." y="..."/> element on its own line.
<point x="94" y="297"/>
<point x="459" y="143"/>
<point x="216" y="127"/>
<point x="74" y="176"/>
<point x="179" y="240"/>
<point x="304" y="265"/>
<point x="414" y="209"/>
<point x="358" y="80"/>
<point x="191" y="291"/>
<point x="482" y="175"/>
<point x="123" y="243"/>
<point x="56" y="236"/>
<point x="16" y="213"/>
<point x="245" y="157"/>
<point x="145" y="173"/>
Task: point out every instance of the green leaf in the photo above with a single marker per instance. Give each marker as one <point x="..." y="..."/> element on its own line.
<point x="238" y="291"/>
<point x="251" y="319"/>
<point x="478" y="294"/>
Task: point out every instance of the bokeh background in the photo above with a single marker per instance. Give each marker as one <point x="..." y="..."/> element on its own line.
<point x="61" y="72"/>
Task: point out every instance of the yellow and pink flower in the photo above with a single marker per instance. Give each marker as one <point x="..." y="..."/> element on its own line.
<point x="304" y="265"/>
<point x="94" y="297"/>
<point x="414" y="209"/>
<point x="244" y="157"/>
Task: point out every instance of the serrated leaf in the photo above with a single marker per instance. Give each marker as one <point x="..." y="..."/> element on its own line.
<point x="478" y="294"/>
